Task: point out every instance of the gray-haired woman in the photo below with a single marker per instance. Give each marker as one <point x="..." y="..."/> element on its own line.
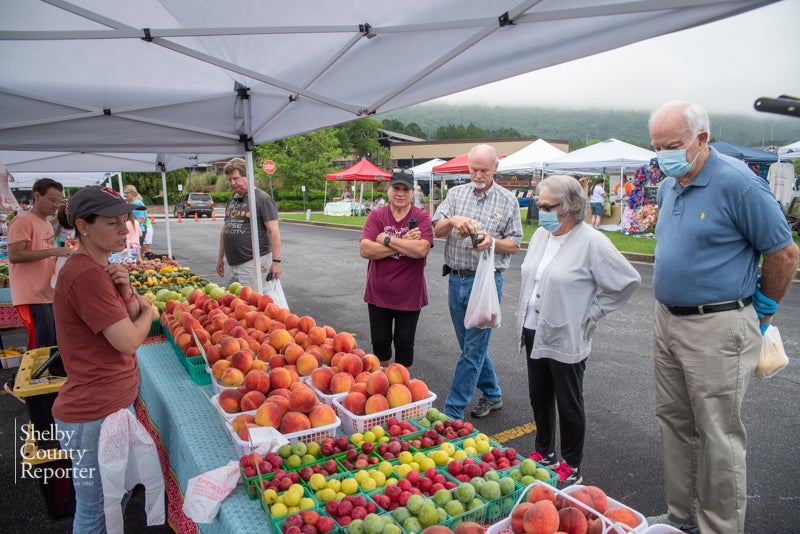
<point x="571" y="277"/>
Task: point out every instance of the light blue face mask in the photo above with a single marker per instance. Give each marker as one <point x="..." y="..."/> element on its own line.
<point x="549" y="221"/>
<point x="673" y="162"/>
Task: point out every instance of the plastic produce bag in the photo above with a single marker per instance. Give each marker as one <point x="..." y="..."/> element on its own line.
<point x="127" y="456"/>
<point x="205" y="493"/>
<point x="773" y="356"/>
<point x="274" y="289"/>
<point x="483" y="309"/>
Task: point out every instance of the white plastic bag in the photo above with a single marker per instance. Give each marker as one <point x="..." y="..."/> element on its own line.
<point x="205" y="493"/>
<point x="773" y="356"/>
<point x="127" y="456"/>
<point x="483" y="309"/>
<point x="274" y="289"/>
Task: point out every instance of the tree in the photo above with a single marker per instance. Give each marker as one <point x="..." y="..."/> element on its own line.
<point x="412" y="128"/>
<point x="300" y="160"/>
<point x="360" y="137"/>
<point x="149" y="185"/>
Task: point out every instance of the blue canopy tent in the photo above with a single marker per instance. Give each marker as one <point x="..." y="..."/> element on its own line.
<point x="745" y="153"/>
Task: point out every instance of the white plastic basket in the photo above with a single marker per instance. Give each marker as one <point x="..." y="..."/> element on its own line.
<point x="504" y="526"/>
<point x="313" y="434"/>
<point x="661" y="529"/>
<point x="352" y="423"/>
<point x="327" y="399"/>
<point x="228" y="416"/>
<point x="218" y="388"/>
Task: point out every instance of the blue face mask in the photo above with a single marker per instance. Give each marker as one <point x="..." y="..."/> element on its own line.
<point x="673" y="162"/>
<point x="549" y="221"/>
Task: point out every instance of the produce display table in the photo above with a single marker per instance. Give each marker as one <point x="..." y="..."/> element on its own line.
<point x="192" y="436"/>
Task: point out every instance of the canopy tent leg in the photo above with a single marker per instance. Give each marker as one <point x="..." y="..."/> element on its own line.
<point x="166" y="210"/>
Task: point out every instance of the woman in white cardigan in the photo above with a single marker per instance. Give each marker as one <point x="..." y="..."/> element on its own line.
<point x="571" y="277"/>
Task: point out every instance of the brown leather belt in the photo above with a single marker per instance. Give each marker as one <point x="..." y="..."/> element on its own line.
<point x="710" y="308"/>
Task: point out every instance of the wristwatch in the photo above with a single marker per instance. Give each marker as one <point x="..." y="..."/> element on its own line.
<point x="386" y="240"/>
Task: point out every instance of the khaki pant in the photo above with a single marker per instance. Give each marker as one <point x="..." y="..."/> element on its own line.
<point x="245" y="272"/>
<point x="703" y="364"/>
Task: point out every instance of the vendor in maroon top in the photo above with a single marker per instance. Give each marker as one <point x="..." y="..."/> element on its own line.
<point x="396" y="240"/>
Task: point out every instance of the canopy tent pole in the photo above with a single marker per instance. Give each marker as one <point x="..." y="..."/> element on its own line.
<point x="325" y="196"/>
<point x="251" y="199"/>
<point x="166" y="209"/>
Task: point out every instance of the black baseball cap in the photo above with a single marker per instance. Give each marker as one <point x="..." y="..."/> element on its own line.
<point x="402" y="176"/>
<point x="97" y="200"/>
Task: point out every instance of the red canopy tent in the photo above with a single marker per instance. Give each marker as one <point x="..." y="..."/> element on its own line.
<point x="459" y="165"/>
<point x="363" y="171"/>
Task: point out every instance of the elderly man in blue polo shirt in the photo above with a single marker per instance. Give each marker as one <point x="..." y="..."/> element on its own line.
<point x="497" y="212"/>
<point x="716" y="220"/>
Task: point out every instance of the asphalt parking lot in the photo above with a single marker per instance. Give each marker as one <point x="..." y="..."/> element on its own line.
<point x="323" y="276"/>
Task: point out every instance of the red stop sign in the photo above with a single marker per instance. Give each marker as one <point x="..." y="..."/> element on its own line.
<point x="269" y="167"/>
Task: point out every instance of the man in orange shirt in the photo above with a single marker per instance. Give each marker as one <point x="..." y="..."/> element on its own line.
<point x="32" y="252"/>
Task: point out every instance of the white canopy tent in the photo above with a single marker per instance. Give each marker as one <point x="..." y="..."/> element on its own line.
<point x="791" y="151"/>
<point x="423" y="172"/>
<point x="77" y="169"/>
<point x="529" y="159"/>
<point x="155" y="75"/>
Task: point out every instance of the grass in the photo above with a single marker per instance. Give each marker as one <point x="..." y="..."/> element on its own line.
<point x="624" y="243"/>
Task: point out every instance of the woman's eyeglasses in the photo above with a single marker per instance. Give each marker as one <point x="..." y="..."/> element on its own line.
<point x="547" y="208"/>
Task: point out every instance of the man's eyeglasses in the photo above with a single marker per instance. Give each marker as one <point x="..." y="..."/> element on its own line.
<point x="547" y="208"/>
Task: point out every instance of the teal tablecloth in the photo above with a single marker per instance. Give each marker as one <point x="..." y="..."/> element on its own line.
<point x="193" y="435"/>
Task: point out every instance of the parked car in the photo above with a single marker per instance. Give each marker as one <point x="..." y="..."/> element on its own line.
<point x="191" y="203"/>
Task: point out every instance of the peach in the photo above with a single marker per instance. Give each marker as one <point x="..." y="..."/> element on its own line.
<point x="229" y="324"/>
<point x="239" y="332"/>
<point x="262" y="323"/>
<point x="596" y="527"/>
<point x="235" y="302"/>
<point x="329" y="332"/>
<point x="242" y="420"/>
<point x="265" y="352"/>
<point x="314" y="351"/>
<point x="344" y="342"/>
<point x="218" y="367"/>
<point x="599" y="498"/>
<point x="256" y="380"/>
<point x="258" y="365"/>
<point x="541" y="518"/>
<point x="217" y="335"/>
<point x="419" y="390"/>
<point x="359" y="352"/>
<point x="250" y="318"/>
<point x="282" y="314"/>
<point x="350" y="363"/>
<point x="377" y="383"/>
<point x="572" y="521"/>
<point x="210" y="305"/>
<point x="253" y="345"/>
<point x="306" y="323"/>
<point x="316" y="334"/>
<point x="302" y="399"/>
<point x="583" y="497"/>
<point x="306" y="364"/>
<point x="437" y="529"/>
<point x="321" y="415"/>
<point x="277" y="325"/>
<point x="469" y="527"/>
<point x="272" y="310"/>
<point x="184" y="341"/>
<point x="541" y="493"/>
<point x="516" y="517"/>
<point x="170" y="305"/>
<point x="229" y="400"/>
<point x="263" y="300"/>
<point x="362" y="377"/>
<point x="192" y="351"/>
<point x="398" y="395"/>
<point x="228" y="346"/>
<point x="276" y="360"/>
<point x="225" y="299"/>
<point x="341" y="382"/>
<point x="292" y="351"/>
<point x="279" y="338"/>
<point x="301" y="338"/>
<point x="270" y="413"/>
<point x="252" y="400"/>
<point x="244" y="432"/>
<point x="337" y="359"/>
<point x="231" y="377"/>
<point x="242" y="360"/>
<point x="280" y="377"/>
<point x="253" y="298"/>
<point x="397" y="373"/>
<point x="241" y="310"/>
<point x="371" y="363"/>
<point x="280" y="392"/>
<point x="375" y="404"/>
<point x="618" y="514"/>
<point x="321" y="379"/>
<point x="327" y="352"/>
<point x="360" y="387"/>
<point x="291" y="321"/>
<point x="294" y="422"/>
<point x="355" y="402"/>
<point x="244" y="292"/>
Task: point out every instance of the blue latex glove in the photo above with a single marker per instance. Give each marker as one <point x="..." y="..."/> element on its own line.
<point x="763" y="304"/>
<point x="764" y="327"/>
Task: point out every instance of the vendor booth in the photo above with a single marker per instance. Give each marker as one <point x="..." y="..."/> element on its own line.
<point x="363" y="171"/>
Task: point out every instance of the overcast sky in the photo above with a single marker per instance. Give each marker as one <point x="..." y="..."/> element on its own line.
<point x="725" y="66"/>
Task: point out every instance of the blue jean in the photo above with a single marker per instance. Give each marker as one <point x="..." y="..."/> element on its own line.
<point x="90" y="517"/>
<point x="474" y="367"/>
